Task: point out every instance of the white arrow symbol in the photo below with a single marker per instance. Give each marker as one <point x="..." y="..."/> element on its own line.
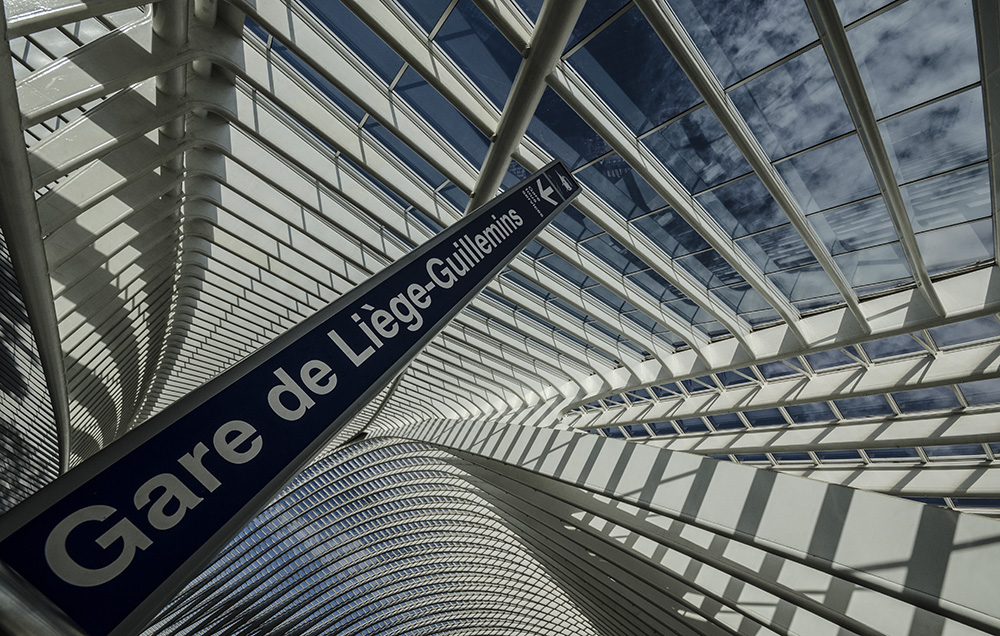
<point x="545" y="192"/>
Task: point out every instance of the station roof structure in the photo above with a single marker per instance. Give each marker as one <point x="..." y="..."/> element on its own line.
<point x="784" y="257"/>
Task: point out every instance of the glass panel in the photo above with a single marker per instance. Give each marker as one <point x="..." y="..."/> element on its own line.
<point x="957" y="451"/>
<point x="655" y="285"/>
<point x="618" y="184"/>
<point x="479" y="49"/>
<point x="777" y="249"/>
<point x="892" y="346"/>
<point x="610" y="299"/>
<point x="671" y="233"/>
<point x="560" y="131"/>
<point x="765" y="417"/>
<point x="743" y="207"/>
<point x="792" y="458"/>
<point x="808" y="413"/>
<point x="932" y="399"/>
<point x="949" y="199"/>
<point x="976" y="502"/>
<point x="455" y="195"/>
<point x="692" y="425"/>
<point x="838" y="455"/>
<point x="829" y="359"/>
<point x="864" y="406"/>
<point x="829" y="175"/>
<point x="854" y="226"/>
<point x="697" y="150"/>
<point x="636" y="430"/>
<point x="915" y="52"/>
<point x="531" y="8"/>
<point x="740" y="38"/>
<point x="753" y="458"/>
<point x="947" y="134"/>
<point x="805" y="283"/>
<point x="774" y="370"/>
<point x="614" y="432"/>
<point x="892" y="453"/>
<point x="614" y="254"/>
<point x="567" y="270"/>
<point x="593" y="15"/>
<point x="628" y="66"/>
<point x="575" y="224"/>
<point x="795" y="105"/>
<point x="952" y="247"/>
<point x="851" y="10"/>
<point x="443" y="116"/>
<point x="726" y="422"/>
<point x="426" y="171"/>
<point x="356" y="34"/>
<point x="983" y="328"/>
<point x="981" y="392"/>
<point x="425" y="12"/>
<point x="711" y="269"/>
<point x="734" y="378"/>
<point x="742" y="298"/>
<point x="663" y="428"/>
<point x="874" y="265"/>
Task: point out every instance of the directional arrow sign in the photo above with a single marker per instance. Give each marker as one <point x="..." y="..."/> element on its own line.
<point x="113" y="540"/>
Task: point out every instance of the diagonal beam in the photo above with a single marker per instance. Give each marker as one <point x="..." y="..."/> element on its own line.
<point x="845" y="69"/>
<point x="555" y="25"/>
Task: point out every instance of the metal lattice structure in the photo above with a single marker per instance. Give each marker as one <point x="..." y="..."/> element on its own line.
<point x="784" y="255"/>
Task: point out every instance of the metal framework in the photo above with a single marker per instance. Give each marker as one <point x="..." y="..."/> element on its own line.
<point x="184" y="180"/>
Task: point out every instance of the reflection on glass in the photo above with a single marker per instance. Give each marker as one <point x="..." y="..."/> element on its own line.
<point x="832" y="174"/>
<point x="838" y="455"/>
<point x="621" y="186"/>
<point x="952" y="198"/>
<point x="437" y="110"/>
<point x="947" y="134"/>
<point x="806" y="284"/>
<point x="829" y="359"/>
<point x="777" y="249"/>
<point x="955" y="451"/>
<point x="636" y="430"/>
<point x="854" y="226"/>
<point x="775" y="370"/>
<point x="765" y="417"/>
<point x="692" y="425"/>
<point x="628" y="66"/>
<point x="697" y="150"/>
<point x="981" y="392"/>
<point x="742" y="298"/>
<point x="851" y="10"/>
<point x="889" y="454"/>
<point x="874" y="266"/>
<point x="973" y="330"/>
<point x="614" y="254"/>
<point x="726" y="422"/>
<point x="812" y="412"/>
<point x="864" y="406"/>
<point x="559" y="130"/>
<point x="891" y="347"/>
<point x="663" y="428"/>
<point x="655" y="285"/>
<point x="957" y="246"/>
<point x="479" y="49"/>
<point x="740" y="38"/>
<point x="743" y="206"/>
<point x="932" y="399"/>
<point x="671" y="233"/>
<point x="795" y="105"/>
<point x="576" y="225"/>
<point x="915" y="52"/>
<point x="710" y="269"/>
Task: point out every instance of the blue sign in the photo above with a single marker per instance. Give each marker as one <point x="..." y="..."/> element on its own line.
<point x="113" y="540"/>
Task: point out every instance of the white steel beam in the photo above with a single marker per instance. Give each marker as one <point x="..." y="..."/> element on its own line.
<point x="29" y="16"/>
<point x="826" y="17"/>
<point x="978" y="362"/>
